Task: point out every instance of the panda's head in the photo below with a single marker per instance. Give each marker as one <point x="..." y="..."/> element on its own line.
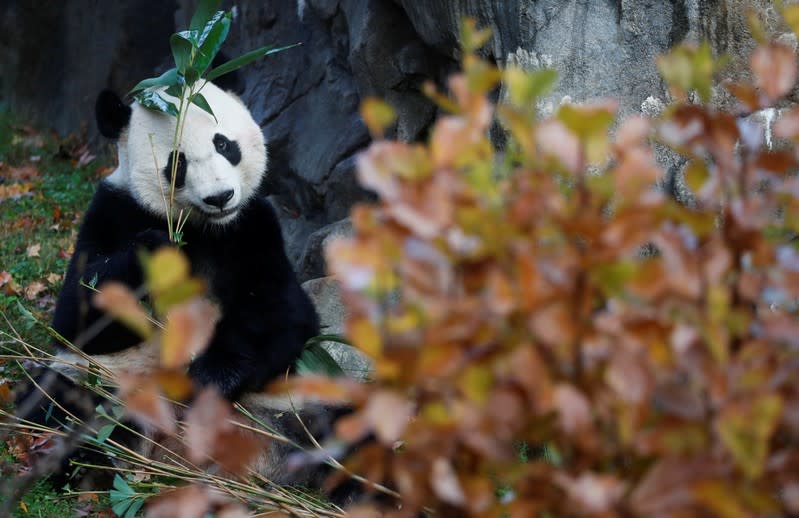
<point x="220" y="163"/>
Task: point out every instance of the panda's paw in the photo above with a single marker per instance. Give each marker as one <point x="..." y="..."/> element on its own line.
<point x="152" y="239"/>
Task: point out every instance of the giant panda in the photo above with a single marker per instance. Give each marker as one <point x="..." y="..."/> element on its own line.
<point x="232" y="239"/>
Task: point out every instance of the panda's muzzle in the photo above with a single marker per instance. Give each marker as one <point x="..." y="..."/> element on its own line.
<point x="219" y="200"/>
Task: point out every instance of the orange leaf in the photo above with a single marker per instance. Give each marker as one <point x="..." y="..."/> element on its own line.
<point x="189" y="328"/>
<point x="143" y="402"/>
<point x="116" y="299"/>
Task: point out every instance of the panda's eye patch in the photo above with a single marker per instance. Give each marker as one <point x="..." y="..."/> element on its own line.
<point x="180" y="177"/>
<point x="227" y="148"/>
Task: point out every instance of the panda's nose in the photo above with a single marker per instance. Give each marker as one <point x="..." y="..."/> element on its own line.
<point x="220" y="199"/>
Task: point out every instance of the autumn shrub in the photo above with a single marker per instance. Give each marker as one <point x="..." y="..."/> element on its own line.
<point x="554" y="336"/>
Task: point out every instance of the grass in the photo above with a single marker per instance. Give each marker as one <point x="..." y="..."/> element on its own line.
<point x="44" y="190"/>
<point x="37" y="228"/>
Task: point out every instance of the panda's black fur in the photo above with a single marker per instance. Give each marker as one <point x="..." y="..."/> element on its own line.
<point x="266" y="316"/>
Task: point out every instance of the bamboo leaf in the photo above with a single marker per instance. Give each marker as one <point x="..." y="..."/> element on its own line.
<point x="244" y="59"/>
<point x="203" y="13"/>
<point x="200" y="101"/>
<point x="152" y="101"/>
<point x="211" y="42"/>
<point x="168" y="78"/>
<point x="181" y="46"/>
<point x="316" y="360"/>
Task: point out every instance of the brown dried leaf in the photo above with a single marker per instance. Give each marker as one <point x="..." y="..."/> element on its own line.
<point x="591" y="492"/>
<point x="388" y="413"/>
<point x="774" y="68"/>
<point x="34" y="289"/>
<point x="445" y="483"/>
<point x="186" y="502"/>
<point x="633" y="132"/>
<point x="206" y="418"/>
<point x="554" y="325"/>
<point x="9" y="287"/>
<point x="574" y="409"/>
<point x="33" y="250"/>
<point x="235" y="449"/>
<point x="787" y="126"/>
<point x="559" y="143"/>
<point x="667" y="489"/>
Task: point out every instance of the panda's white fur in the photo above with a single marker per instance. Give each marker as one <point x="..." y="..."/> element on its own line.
<point x="150" y="137"/>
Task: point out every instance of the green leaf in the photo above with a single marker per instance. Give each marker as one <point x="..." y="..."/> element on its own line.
<point x="181" y="50"/>
<point x="318" y="339"/>
<point x="105" y="432"/>
<point x="175" y="91"/>
<point x="192" y="75"/>
<point x="204" y="12"/>
<point x="211" y="42"/>
<point x="316" y="360"/>
<point x="152" y="101"/>
<point x="30" y="319"/>
<point x="200" y="101"/>
<point x="122" y="486"/>
<point x="134" y="508"/>
<point x="210" y="25"/>
<point x="168" y="78"/>
<point x="245" y="59"/>
<point x="121" y="506"/>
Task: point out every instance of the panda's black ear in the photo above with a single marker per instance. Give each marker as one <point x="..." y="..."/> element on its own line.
<point x="232" y="81"/>
<point x="112" y="114"/>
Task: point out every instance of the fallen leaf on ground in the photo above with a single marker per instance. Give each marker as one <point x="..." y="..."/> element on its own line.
<point x="34" y="289"/>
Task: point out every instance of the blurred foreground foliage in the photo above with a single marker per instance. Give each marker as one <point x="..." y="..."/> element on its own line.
<point x="552" y="299"/>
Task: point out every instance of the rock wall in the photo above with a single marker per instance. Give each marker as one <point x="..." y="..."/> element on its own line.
<point x="55" y="56"/>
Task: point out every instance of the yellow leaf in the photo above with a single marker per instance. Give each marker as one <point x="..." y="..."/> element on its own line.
<point x="746" y="428"/>
<point x="791" y="15"/>
<point x="688" y="67"/>
<point x="166" y="268"/>
<point x="696" y="174"/>
<point x="472" y="38"/>
<point x="117" y="300"/>
<point x="476" y="383"/>
<point x="23" y="506"/>
<point x="481" y="76"/>
<point x="378" y="115"/>
<point x="178" y="294"/>
<point x="365" y="336"/>
<point x="524" y="87"/>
